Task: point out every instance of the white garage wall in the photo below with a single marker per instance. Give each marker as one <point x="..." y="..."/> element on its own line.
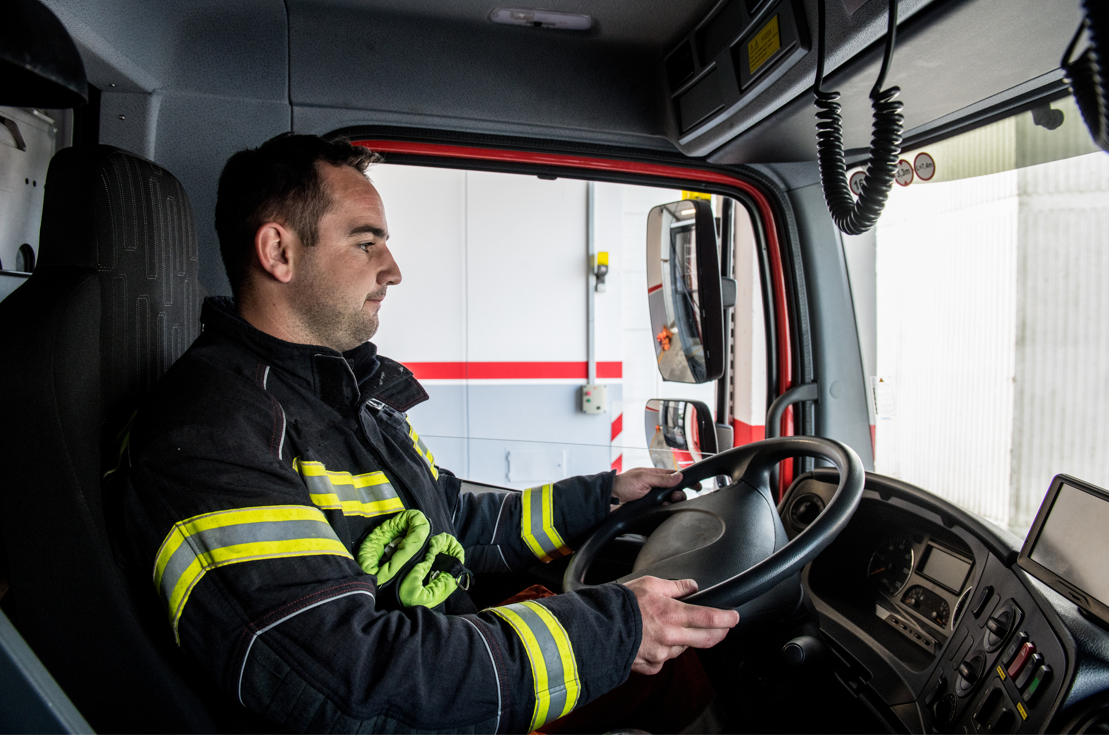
<point x="491" y="316"/>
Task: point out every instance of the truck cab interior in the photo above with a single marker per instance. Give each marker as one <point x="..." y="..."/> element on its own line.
<point x="876" y="596"/>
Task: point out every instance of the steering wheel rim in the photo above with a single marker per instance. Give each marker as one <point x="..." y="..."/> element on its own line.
<point x="749" y="468"/>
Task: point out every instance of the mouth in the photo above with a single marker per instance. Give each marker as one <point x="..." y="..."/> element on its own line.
<point x="376" y="297"/>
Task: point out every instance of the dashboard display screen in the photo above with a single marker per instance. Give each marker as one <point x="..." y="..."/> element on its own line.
<point x="944" y="568"/>
<point x="1073" y="543"/>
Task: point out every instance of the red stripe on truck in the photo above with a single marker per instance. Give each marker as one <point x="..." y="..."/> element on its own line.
<point x="462" y="370"/>
<point x="744" y="433"/>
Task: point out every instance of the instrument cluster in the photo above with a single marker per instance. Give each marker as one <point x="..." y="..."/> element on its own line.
<point x="919" y="586"/>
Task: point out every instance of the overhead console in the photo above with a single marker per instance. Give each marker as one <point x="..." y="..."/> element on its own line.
<point x="732" y="57"/>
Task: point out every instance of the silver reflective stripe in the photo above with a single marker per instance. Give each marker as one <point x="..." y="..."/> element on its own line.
<point x="496" y="675"/>
<point x="551" y="656"/>
<point x="281" y="443"/>
<point x="202" y="543"/>
<point x="537" y="524"/>
<point x="364" y="495"/>
<point x="206" y="541"/>
<point x="267" y="628"/>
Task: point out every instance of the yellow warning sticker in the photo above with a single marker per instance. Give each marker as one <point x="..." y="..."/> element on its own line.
<point x="1001" y="672"/>
<point x="687" y="195"/>
<point x="763" y="45"/>
<point x="1023" y="713"/>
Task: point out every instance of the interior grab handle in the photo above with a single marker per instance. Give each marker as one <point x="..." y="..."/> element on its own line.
<point x="13" y="128"/>
<point x="801" y="393"/>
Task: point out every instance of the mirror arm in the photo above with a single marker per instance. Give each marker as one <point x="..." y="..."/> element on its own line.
<point x="800" y="393"/>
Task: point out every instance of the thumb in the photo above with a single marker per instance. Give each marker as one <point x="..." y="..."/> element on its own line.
<point x="681" y="587"/>
<point x="665" y="479"/>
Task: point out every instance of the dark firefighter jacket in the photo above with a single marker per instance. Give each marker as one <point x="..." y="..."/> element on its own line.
<point x="253" y="472"/>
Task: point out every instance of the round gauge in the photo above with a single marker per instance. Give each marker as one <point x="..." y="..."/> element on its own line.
<point x="940" y="613"/>
<point x="890" y="565"/>
<point x="928" y="604"/>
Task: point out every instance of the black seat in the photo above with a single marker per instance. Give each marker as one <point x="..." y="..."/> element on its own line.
<point x="112" y="303"/>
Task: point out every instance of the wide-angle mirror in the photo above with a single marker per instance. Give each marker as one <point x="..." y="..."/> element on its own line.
<point x="679" y="432"/>
<point x="683" y="291"/>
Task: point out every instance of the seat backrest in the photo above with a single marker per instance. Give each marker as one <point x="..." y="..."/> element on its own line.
<point x="112" y="303"/>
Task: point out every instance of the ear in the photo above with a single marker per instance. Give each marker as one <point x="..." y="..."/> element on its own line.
<point x="273" y="248"/>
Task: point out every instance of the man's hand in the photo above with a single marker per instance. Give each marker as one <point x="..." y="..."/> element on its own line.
<point x="632" y="484"/>
<point x="670" y="626"/>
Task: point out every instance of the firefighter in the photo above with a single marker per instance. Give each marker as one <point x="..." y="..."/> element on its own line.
<point x="306" y="549"/>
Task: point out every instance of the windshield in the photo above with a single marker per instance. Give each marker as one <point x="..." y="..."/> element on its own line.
<point x="981" y="302"/>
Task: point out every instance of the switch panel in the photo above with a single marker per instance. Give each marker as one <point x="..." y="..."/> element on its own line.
<point x="594" y="399"/>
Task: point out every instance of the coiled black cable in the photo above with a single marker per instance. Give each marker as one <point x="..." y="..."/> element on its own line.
<point x="855" y="218"/>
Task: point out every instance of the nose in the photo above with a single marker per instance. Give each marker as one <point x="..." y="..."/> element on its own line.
<point x="389" y="274"/>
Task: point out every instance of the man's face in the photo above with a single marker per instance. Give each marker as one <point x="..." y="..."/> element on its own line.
<point x="341" y="281"/>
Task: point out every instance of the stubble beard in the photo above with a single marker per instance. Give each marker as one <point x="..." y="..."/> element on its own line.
<point x="333" y="321"/>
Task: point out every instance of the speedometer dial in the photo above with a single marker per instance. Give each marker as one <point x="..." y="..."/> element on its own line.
<point x="891" y="563"/>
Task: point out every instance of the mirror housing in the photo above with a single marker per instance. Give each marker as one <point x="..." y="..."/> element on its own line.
<point x="684" y="292"/>
<point x="679" y="432"/>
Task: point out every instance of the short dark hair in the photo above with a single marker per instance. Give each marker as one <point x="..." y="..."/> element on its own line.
<point x="280" y="181"/>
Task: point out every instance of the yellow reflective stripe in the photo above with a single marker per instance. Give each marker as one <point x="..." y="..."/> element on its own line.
<point x="199" y="544"/>
<point x="554" y="667"/>
<point x="365" y="495"/>
<point x="423" y="450"/>
<point x="537" y="524"/>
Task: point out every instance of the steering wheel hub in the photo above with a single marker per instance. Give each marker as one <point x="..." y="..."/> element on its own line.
<point x="731" y="542"/>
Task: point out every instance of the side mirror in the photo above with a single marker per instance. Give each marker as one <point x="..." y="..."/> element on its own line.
<point x="679" y="432"/>
<point x="683" y="291"/>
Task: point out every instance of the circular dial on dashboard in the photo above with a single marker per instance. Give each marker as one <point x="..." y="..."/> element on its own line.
<point x="891" y="563"/>
<point x="931" y="605"/>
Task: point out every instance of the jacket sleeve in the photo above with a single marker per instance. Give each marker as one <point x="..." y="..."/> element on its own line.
<point x="513" y="530"/>
<point x="261" y="592"/>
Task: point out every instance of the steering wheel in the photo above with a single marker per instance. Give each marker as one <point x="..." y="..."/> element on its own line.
<point x="731" y="542"/>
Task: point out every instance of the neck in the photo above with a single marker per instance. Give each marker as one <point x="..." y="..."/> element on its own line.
<point x="272" y="316"/>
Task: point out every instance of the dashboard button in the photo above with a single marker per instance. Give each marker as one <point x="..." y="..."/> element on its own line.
<point x="1026" y="675"/>
<point x="955" y="642"/>
<point x="1014" y="648"/>
<point x="1027" y="650"/>
<point x="1043" y="675"/>
<point x="936" y="691"/>
<point x="980" y="601"/>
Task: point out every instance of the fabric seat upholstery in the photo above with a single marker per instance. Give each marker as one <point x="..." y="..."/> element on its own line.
<point x="113" y="302"/>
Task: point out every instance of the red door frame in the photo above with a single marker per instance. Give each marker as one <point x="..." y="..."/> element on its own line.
<point x="571" y="161"/>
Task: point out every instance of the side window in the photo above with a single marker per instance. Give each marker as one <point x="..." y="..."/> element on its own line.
<point x="493" y="316"/>
<point x="980" y="299"/>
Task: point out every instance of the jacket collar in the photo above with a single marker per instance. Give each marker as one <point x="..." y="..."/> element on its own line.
<point x="340" y="379"/>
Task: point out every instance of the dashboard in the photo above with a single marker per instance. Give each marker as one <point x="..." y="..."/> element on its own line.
<point x="932" y="625"/>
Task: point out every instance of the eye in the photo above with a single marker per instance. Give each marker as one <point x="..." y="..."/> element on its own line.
<point x="366" y="246"/>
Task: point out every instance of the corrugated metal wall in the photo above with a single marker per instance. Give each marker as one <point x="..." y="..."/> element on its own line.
<point x="946" y="276"/>
<point x="993" y="330"/>
<point x="1061" y="412"/>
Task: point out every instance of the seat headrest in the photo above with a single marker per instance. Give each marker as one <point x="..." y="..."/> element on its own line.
<point x="102" y="203"/>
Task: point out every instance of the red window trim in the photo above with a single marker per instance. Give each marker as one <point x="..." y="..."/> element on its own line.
<point x="785" y="365"/>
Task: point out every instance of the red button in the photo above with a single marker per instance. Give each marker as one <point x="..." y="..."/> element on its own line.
<point x="1025" y="653"/>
